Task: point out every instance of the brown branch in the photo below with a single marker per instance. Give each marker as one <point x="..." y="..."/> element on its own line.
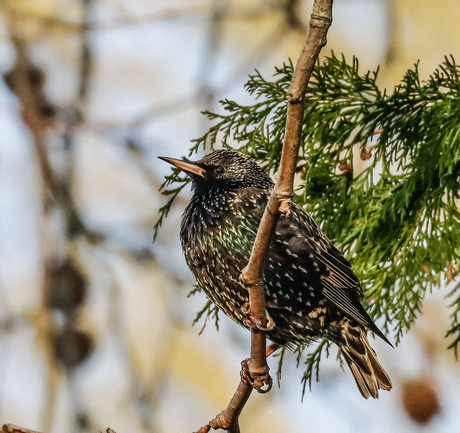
<point x="10" y="428"/>
<point x="37" y="117"/>
<point x="279" y="202"/>
<point x="252" y="274"/>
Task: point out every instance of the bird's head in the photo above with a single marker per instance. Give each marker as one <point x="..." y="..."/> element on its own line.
<point x="224" y="167"/>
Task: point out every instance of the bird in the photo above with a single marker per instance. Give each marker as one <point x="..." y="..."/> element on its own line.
<point x="311" y="292"/>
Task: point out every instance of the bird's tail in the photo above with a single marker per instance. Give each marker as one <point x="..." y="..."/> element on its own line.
<point x="362" y="360"/>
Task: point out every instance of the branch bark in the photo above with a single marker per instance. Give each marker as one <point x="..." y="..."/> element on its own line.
<point x="279" y="202"/>
<point x="10" y="428"/>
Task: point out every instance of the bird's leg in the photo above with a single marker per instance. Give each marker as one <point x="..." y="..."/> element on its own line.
<point x="251" y="322"/>
<point x="250" y="377"/>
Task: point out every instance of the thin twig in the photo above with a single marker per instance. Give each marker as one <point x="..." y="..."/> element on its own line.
<point x="33" y="101"/>
<point x="10" y="428"/>
<point x="252" y="275"/>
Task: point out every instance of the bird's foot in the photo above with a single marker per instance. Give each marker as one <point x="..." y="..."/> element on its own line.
<point x="257" y="378"/>
<point x="251" y="322"/>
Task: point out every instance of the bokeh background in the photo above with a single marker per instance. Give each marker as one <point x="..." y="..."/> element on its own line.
<point x="95" y="326"/>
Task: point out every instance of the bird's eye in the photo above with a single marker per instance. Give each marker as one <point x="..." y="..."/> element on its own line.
<point x="219" y="169"/>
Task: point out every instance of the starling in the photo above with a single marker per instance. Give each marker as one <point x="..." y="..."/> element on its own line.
<point x="310" y="290"/>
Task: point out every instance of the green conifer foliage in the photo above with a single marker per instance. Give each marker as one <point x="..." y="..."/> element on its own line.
<point x="397" y="220"/>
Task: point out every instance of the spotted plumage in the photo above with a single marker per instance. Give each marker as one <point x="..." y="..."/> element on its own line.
<point x="310" y="290"/>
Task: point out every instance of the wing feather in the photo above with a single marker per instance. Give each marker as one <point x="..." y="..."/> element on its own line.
<point x="339" y="283"/>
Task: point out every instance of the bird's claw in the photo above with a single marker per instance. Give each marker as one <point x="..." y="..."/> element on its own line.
<point x="251" y="322"/>
<point x="270" y="324"/>
<point x="255" y="379"/>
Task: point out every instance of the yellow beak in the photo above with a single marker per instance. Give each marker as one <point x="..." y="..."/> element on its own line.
<point x="188" y="167"/>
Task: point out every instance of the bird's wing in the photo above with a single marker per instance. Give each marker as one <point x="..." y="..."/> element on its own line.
<point x="299" y="236"/>
<point x="339" y="284"/>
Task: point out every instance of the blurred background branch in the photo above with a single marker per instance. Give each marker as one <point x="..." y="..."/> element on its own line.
<point x="95" y="327"/>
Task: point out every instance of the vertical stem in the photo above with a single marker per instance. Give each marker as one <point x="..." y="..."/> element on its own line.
<point x="252" y="275"/>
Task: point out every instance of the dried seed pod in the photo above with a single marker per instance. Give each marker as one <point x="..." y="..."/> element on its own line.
<point x="366" y="154"/>
<point x="345" y="167"/>
<point x="27" y="82"/>
<point x="67" y="287"/>
<point x="420" y="400"/>
<point x="72" y="347"/>
<point x="451" y="272"/>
